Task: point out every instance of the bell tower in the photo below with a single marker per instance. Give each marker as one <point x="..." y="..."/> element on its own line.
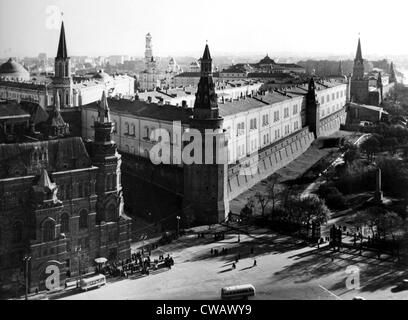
<point x="62" y="80"/>
<point x="205" y="180"/>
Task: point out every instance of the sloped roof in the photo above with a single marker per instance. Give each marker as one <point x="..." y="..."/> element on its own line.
<point x="63" y="155"/>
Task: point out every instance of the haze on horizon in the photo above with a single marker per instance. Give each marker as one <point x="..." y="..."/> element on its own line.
<point x="181" y="27"/>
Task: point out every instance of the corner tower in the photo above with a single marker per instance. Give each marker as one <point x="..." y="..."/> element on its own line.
<point x="312" y="109"/>
<point x="62" y="80"/>
<point x="205" y="180"/>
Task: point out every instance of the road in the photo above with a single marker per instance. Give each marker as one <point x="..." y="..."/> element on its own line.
<point x="286" y="269"/>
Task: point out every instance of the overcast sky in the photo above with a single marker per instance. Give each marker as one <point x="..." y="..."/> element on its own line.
<point x="104" y="27"/>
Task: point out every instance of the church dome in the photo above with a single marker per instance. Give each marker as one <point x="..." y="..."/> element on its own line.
<point x="103" y="76"/>
<point x="13" y="70"/>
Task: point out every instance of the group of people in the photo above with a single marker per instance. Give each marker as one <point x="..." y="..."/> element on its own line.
<point x="137" y="263"/>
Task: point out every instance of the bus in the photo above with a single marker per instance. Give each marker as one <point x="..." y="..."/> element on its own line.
<point x="93" y="282"/>
<point x="238" y="292"/>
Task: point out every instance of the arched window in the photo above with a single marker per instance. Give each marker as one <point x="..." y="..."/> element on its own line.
<point x="64" y="223"/>
<point x="83" y="219"/>
<point x="48" y="231"/>
<point x="133" y="130"/>
<point x="17" y="232"/>
<point x="111" y="213"/>
<point x="127" y="128"/>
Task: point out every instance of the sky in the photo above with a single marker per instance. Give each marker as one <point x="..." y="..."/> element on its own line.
<point x="182" y="27"/>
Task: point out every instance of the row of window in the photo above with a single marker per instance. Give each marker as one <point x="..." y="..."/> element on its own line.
<point x="334" y="96"/>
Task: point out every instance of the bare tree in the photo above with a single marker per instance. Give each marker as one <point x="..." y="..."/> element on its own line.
<point x="263" y="201"/>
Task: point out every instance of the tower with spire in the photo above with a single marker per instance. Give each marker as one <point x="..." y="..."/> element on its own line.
<point x="106" y="157"/>
<point x="62" y="80"/>
<point x="110" y="204"/>
<point x="312" y="109"/>
<point x="55" y="126"/>
<point x="359" y="90"/>
<point x="149" y="58"/>
<point x="205" y="183"/>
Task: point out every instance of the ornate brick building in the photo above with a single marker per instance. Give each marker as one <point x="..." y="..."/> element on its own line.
<point x="60" y="200"/>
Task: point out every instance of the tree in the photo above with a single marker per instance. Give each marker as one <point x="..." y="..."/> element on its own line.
<point x="391" y="144"/>
<point x="371" y="146"/>
<point x="263" y="201"/>
<point x="314" y="210"/>
<point x="351" y="154"/>
<point x="273" y="192"/>
<point x="246" y="211"/>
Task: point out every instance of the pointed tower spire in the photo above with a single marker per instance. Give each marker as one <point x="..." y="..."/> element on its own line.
<point x="57" y="103"/>
<point x="62" y="45"/>
<point x="206" y="98"/>
<point x="359" y="55"/>
<point x="55" y="124"/>
<point x="358" y="68"/>
<point x="206" y="62"/>
<point x="104" y="111"/>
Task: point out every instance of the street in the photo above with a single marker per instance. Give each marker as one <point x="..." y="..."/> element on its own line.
<point x="286" y="269"/>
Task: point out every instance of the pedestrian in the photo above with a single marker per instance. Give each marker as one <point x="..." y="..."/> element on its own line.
<point x="233" y="266"/>
<point x="254" y="263"/>
<point x="212" y="251"/>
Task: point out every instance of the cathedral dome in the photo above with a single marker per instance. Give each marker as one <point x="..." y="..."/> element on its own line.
<point x="13" y="70"/>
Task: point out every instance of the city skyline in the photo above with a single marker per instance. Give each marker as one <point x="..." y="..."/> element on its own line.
<point x="121" y="29"/>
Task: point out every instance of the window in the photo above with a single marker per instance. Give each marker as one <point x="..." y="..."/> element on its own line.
<point x="328" y="98"/>
<point x="127" y="128"/>
<point x="146" y="131"/>
<point x="286" y="112"/>
<point x="48" y="231"/>
<point x="276" y="116"/>
<point x="252" y="124"/>
<point x="115" y="126"/>
<point x="265" y="120"/>
<point x="17" y="232"/>
<point x="240" y="129"/>
<point x="322" y="99"/>
<point x="277" y="134"/>
<point x="133" y="130"/>
<point x="83" y="219"/>
<point x="287" y="129"/>
<point x="333" y="96"/>
<point x="295" y="109"/>
<point x="64" y="223"/>
<point x="337" y="95"/>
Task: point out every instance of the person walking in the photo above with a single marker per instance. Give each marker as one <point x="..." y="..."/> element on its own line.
<point x="254" y="263"/>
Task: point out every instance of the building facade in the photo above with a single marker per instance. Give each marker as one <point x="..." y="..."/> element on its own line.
<point x="61" y="201"/>
<point x="15" y="83"/>
<point x="252" y="122"/>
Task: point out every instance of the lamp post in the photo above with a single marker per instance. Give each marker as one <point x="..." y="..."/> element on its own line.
<point x="26" y="260"/>
<point x="178" y="226"/>
<point x="78" y="251"/>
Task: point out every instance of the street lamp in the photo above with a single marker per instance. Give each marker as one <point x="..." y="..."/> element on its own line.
<point x="26" y="260"/>
<point x="78" y="250"/>
<point x="178" y="226"/>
